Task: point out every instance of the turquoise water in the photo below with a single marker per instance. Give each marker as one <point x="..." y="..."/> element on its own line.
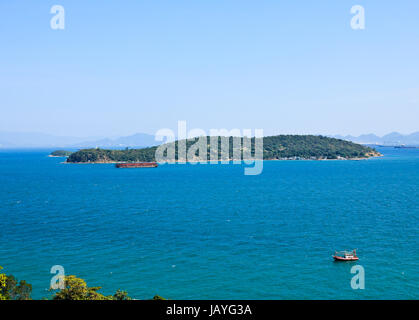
<point x="209" y="231"/>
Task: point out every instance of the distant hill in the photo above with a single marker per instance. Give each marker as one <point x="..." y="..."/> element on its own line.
<point x="390" y="139"/>
<point x="142" y="140"/>
<point x="133" y="141"/>
<point x="60" y="153"/>
<point x="283" y="147"/>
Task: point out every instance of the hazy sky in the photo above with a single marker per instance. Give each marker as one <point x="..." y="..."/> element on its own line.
<point x="285" y="66"/>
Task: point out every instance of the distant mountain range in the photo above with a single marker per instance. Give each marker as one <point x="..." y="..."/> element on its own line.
<point x="9" y="140"/>
<point x="41" y="140"/>
<point x="136" y="140"/>
<point x="391" y="139"/>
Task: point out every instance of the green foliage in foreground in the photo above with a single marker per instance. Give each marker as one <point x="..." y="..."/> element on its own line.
<point x="61" y="153"/>
<point x="77" y="289"/>
<point x="275" y="147"/>
<point x="3" y="279"/>
<point x="74" y="289"/>
<point x="11" y="289"/>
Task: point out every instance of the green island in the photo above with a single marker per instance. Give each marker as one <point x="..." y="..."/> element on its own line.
<point x="60" y="153"/>
<point x="281" y="147"/>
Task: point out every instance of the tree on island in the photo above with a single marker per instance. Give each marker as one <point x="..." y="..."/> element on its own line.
<point x="61" y="153"/>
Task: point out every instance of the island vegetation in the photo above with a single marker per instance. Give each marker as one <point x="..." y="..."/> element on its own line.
<point x="60" y="153"/>
<point x="281" y="147"/>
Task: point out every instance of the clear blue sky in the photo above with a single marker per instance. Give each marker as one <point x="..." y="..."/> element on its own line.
<point x="286" y="66"/>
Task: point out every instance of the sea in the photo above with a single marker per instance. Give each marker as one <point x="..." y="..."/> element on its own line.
<point x="209" y="231"/>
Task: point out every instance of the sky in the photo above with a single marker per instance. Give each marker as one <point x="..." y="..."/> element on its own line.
<point x="284" y="66"/>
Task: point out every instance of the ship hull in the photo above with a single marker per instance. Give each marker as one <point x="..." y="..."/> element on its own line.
<point x="137" y="165"/>
<point x="337" y="258"/>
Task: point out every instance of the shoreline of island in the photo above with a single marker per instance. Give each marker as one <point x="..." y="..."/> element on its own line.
<point x="227" y="161"/>
<point x="275" y="148"/>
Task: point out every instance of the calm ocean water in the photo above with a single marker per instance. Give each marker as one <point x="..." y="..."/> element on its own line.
<point x="209" y="231"/>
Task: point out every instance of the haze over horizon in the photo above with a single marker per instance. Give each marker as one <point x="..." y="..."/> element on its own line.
<point x="174" y="129"/>
<point x="121" y="66"/>
<point x="39" y="140"/>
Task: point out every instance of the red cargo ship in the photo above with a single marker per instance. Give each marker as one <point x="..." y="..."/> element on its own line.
<point x="137" y="165"/>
